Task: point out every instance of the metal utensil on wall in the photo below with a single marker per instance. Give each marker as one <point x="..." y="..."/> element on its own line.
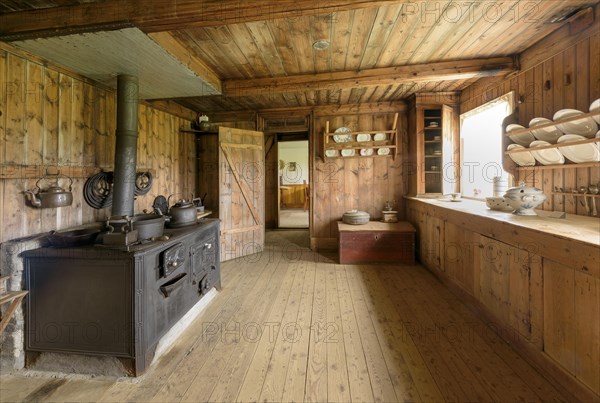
<point x="594" y="191"/>
<point x="583" y="190"/>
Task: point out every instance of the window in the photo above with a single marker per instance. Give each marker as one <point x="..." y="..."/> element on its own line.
<point x="481" y="147"/>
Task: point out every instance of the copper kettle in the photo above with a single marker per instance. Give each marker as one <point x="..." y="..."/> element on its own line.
<point x="53" y="197"/>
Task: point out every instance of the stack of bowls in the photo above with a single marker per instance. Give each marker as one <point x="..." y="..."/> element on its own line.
<point x="500" y="186"/>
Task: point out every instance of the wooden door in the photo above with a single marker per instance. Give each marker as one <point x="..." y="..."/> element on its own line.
<point x="449" y="179"/>
<point x="241" y="192"/>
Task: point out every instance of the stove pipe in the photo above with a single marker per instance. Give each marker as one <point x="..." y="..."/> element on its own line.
<point x="126" y="146"/>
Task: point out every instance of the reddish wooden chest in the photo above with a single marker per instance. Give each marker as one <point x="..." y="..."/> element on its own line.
<point x="377" y="242"/>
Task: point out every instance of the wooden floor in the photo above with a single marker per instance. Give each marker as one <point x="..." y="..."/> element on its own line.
<point x="290" y="325"/>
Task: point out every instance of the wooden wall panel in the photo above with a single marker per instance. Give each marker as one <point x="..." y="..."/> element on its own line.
<point x="572" y="67"/>
<point x="365" y="184"/>
<point x="51" y="120"/>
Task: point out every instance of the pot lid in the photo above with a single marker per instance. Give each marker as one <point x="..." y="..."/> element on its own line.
<point x="524" y="189"/>
<point x="184" y="204"/>
<point x="55" y="189"/>
<point x="356" y="213"/>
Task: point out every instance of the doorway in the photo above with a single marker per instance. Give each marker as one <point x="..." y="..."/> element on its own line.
<point x="293" y="183"/>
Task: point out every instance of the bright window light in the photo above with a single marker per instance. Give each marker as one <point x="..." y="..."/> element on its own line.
<point x="481" y="147"/>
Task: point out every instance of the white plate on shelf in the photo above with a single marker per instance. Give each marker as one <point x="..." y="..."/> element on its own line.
<point x="524" y="159"/>
<point x="585" y="127"/>
<point x="595" y="107"/>
<point x="549" y="134"/>
<point x="581" y="152"/>
<point x="379" y="137"/>
<point x="366" y="152"/>
<point x="363" y="137"/>
<point x="523" y="139"/>
<point x="347" y="153"/>
<point x="331" y="153"/>
<point x="341" y="137"/>
<point x="383" y="151"/>
<point x="551" y="156"/>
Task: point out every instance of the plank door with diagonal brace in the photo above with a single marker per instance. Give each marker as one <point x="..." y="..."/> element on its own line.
<point x="241" y="192"/>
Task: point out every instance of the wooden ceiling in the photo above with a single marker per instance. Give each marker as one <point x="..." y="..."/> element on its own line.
<point x="7" y="6"/>
<point x="262" y="52"/>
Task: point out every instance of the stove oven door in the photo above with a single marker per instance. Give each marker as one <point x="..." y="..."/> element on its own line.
<point x="204" y="256"/>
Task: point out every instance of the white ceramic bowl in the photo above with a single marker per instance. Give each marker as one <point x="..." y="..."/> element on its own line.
<point x="498" y="203"/>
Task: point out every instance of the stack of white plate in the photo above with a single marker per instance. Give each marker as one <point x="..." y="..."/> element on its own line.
<point x="500" y="186"/>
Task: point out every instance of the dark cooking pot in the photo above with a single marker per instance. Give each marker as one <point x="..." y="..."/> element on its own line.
<point x="149" y="225"/>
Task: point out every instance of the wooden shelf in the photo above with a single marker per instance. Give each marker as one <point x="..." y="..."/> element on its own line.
<point x="548" y="147"/>
<point x="353" y="145"/>
<point x="390" y="142"/>
<point x="196" y="131"/>
<point x="565" y="166"/>
<point x="528" y="130"/>
<point x="432" y="141"/>
<point x="434" y="156"/>
<point x="574" y="194"/>
<point x="362" y="132"/>
<point x="433" y="172"/>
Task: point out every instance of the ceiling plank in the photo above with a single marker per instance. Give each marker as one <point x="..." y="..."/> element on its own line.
<point x="160" y="15"/>
<point x="169" y="43"/>
<point x="441" y="71"/>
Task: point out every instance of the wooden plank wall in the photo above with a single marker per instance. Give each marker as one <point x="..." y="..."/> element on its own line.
<point x="52" y="119"/>
<point x="339" y="185"/>
<point x="571" y="64"/>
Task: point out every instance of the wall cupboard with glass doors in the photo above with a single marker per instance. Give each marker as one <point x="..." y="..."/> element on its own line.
<point x="433" y="146"/>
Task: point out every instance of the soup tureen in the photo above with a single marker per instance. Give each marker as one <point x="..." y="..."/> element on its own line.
<point x="524" y="199"/>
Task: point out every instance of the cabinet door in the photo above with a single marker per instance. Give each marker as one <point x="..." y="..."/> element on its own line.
<point x="572" y="321"/>
<point x="449" y="179"/>
<point x="461" y="257"/>
<point x="431" y="242"/>
<point x="510" y="286"/>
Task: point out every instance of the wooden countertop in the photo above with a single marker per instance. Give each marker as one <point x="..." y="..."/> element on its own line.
<point x="582" y="229"/>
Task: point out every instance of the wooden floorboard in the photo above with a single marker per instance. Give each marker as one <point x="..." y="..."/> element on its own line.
<point x="291" y="325"/>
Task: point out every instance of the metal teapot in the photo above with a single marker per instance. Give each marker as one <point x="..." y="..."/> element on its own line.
<point x="183" y="212"/>
<point x="52" y="197"/>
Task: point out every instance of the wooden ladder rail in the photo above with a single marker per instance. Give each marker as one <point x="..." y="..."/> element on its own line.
<point x="14" y="298"/>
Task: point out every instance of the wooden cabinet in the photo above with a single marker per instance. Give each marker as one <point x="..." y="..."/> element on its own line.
<point x="538" y="289"/>
<point x="432" y="147"/>
<point x="428" y="240"/>
<point x="571" y="321"/>
<point x="510" y="287"/>
<point x="461" y="257"/>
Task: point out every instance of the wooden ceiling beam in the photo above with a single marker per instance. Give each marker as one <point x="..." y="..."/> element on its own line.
<point x="176" y="49"/>
<point x="419" y="73"/>
<point x="160" y="15"/>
